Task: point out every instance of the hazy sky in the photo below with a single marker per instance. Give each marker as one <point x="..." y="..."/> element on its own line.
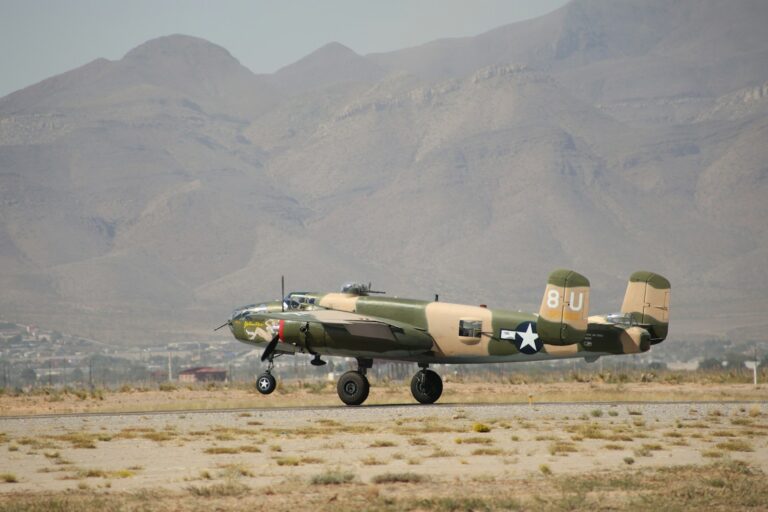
<point x="43" y="38"/>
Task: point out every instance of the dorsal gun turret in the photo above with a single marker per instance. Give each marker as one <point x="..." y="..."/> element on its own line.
<point x="354" y="288"/>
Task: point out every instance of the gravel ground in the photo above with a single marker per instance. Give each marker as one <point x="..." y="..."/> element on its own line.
<point x="270" y="446"/>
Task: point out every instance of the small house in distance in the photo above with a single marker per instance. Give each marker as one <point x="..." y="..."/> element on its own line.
<point x="203" y="374"/>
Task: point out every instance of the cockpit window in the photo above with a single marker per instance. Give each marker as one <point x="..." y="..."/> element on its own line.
<point x="298" y="300"/>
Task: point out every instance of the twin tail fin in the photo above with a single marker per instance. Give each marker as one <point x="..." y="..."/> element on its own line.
<point x="564" y="311"/>
<point x="647" y="302"/>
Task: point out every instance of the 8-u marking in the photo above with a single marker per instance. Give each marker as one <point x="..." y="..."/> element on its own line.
<point x="553" y="300"/>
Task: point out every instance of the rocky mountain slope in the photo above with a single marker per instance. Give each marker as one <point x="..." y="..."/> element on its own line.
<point x="146" y="197"/>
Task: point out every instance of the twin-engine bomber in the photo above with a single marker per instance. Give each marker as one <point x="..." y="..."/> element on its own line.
<point x="360" y="323"/>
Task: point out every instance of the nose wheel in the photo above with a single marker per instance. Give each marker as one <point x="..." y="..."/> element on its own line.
<point x="266" y="383"/>
<point x="426" y="386"/>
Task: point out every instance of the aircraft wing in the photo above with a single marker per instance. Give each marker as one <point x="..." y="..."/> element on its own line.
<point x="361" y="326"/>
<point x="336" y="332"/>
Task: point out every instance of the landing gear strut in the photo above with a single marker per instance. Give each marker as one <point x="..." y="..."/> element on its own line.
<point x="426" y="386"/>
<point x="266" y="383"/>
<point x="353" y="386"/>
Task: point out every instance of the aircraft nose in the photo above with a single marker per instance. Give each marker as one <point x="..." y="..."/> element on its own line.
<point x="236" y="319"/>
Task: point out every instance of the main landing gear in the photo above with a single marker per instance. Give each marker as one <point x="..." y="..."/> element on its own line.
<point x="426" y="386"/>
<point x="353" y="386"/>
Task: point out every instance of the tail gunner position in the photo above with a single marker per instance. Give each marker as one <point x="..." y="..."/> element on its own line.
<point x="360" y="323"/>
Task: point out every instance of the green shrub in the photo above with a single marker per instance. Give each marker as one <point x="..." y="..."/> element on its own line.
<point x="332" y="477"/>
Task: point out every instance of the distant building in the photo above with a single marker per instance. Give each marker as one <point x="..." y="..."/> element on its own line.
<point x="203" y="374"/>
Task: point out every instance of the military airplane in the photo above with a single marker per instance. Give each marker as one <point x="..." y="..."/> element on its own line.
<point x="361" y="323"/>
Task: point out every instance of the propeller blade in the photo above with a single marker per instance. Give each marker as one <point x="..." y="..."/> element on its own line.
<point x="270" y="348"/>
<point x="222" y="325"/>
<point x="282" y="293"/>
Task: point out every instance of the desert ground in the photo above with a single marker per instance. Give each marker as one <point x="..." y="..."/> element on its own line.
<point x="278" y="453"/>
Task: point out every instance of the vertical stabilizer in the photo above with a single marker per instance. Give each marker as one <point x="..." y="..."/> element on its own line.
<point x="564" y="308"/>
<point x="647" y="301"/>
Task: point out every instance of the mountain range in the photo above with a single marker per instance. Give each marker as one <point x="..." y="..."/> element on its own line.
<point x="144" y="198"/>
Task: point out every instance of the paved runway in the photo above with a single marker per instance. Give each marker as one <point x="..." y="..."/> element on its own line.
<point x="409" y="408"/>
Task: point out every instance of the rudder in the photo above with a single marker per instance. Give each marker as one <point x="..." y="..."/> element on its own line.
<point x="647" y="301"/>
<point x="564" y="310"/>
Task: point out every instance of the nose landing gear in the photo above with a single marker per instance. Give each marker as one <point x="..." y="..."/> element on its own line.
<point x="266" y="383"/>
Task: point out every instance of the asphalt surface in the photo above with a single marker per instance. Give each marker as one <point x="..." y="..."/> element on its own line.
<point x="410" y="409"/>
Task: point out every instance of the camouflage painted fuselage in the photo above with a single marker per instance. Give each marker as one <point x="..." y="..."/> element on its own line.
<point x="375" y="327"/>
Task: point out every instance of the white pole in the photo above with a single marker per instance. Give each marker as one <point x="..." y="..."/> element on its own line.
<point x="753" y="365"/>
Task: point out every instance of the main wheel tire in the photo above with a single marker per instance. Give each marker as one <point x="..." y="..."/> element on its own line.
<point x="426" y="386"/>
<point x="353" y="388"/>
<point x="266" y="383"/>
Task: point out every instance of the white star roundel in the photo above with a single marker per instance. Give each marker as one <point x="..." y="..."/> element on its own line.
<point x="524" y="337"/>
